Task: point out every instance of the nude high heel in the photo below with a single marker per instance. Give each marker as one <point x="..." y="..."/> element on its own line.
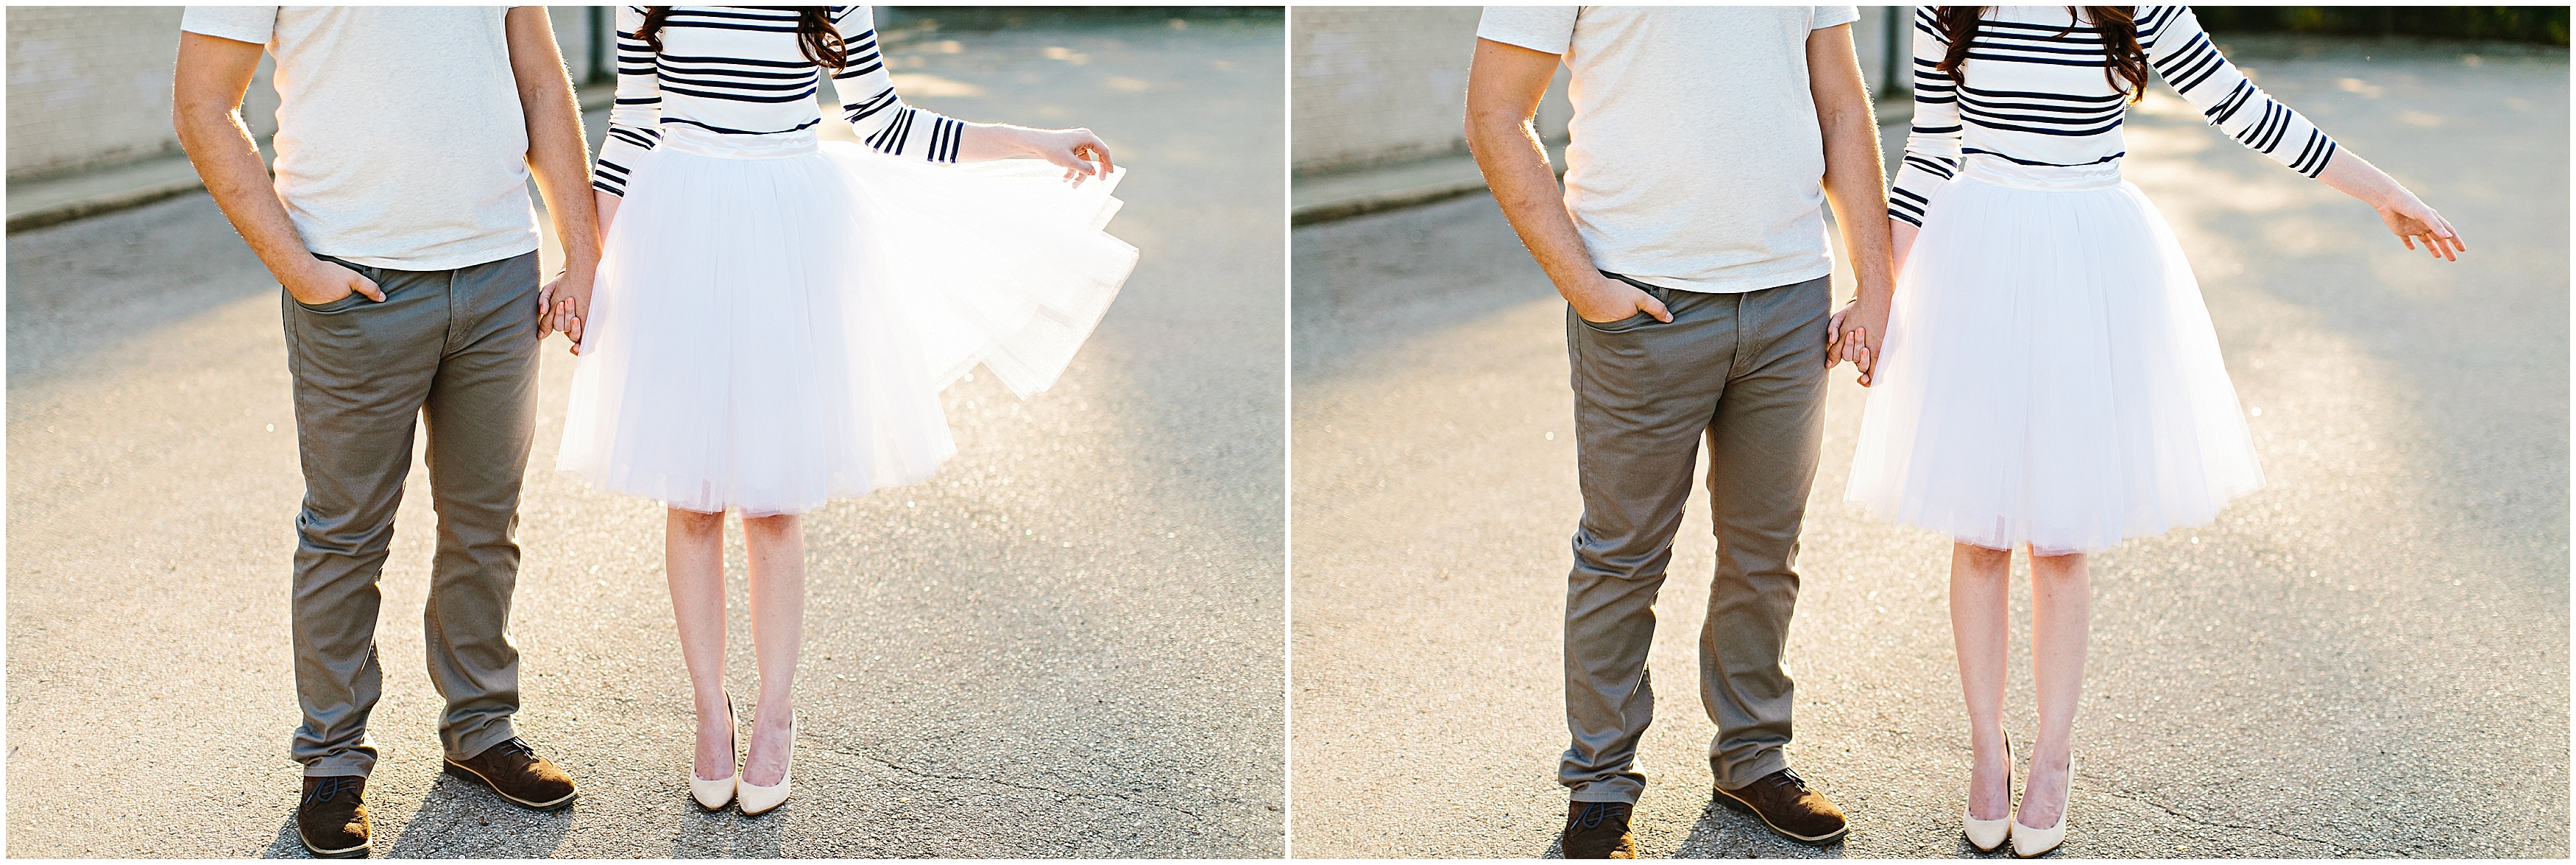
<point x="712" y="795"/>
<point x="1986" y="835"/>
<point x="2029" y="842"/>
<point x="757" y="799"/>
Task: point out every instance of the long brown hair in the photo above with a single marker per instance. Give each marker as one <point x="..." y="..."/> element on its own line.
<point x="814" y="33"/>
<point x="2125" y="60"/>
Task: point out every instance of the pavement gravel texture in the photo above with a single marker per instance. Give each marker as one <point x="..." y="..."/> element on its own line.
<point x="1068" y="643"/>
<point x="2368" y="657"/>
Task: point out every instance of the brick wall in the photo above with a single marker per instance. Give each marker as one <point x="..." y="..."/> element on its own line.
<point x="89" y="86"/>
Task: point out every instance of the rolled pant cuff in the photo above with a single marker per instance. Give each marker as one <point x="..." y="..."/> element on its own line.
<point x="1737" y="777"/>
<point x="339" y="769"/>
<point x="1628" y="798"/>
<point x="482" y="740"/>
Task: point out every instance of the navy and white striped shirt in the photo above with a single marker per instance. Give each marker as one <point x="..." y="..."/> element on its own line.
<point x="2036" y="95"/>
<point x="739" y="71"/>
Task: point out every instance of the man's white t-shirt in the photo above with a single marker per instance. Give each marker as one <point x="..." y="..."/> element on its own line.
<point x="400" y="143"/>
<point x="1696" y="161"/>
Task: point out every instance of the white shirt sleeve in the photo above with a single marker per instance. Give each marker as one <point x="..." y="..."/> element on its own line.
<point x="2185" y="58"/>
<point x="252" y="24"/>
<point x="1834" y="16"/>
<point x="1537" y="28"/>
<point x="869" y="103"/>
<point x="1933" y="146"/>
<point x="635" y="121"/>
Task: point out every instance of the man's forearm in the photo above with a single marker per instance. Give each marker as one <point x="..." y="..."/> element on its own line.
<point x="1853" y="186"/>
<point x="558" y="154"/>
<point x="1516" y="171"/>
<point x="559" y="157"/>
<point x="227" y="159"/>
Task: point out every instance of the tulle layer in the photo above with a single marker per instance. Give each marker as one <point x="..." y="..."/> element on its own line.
<point x="2050" y="377"/>
<point x="770" y="334"/>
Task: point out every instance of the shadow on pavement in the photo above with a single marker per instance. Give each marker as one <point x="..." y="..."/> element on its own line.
<point x="286" y="846"/>
<point x="73" y="307"/>
<point x="460" y="818"/>
<point x="727" y="834"/>
<point x="1721" y="833"/>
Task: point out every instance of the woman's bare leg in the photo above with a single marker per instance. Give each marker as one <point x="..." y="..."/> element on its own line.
<point x="693" y="556"/>
<point x="1981" y="624"/>
<point x="2061" y="610"/>
<point x="776" y="545"/>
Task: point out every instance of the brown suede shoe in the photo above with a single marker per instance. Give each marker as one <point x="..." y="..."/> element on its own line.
<point x="1598" y="830"/>
<point x="331" y="818"/>
<point x="514" y="770"/>
<point x="1785" y="804"/>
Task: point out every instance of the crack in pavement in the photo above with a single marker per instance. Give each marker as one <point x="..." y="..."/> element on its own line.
<point x="999" y="782"/>
<point x="2340" y="849"/>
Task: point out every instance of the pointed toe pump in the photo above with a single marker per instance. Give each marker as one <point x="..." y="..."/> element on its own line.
<point x="713" y="795"/>
<point x="1986" y="835"/>
<point x="2029" y="842"/>
<point x="757" y="799"/>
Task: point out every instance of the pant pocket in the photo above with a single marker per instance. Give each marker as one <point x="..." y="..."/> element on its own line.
<point x="342" y="305"/>
<point x="331" y="345"/>
<point x="1641" y="320"/>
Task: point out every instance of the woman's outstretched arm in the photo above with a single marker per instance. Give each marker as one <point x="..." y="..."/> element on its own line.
<point x="885" y="123"/>
<point x="2187" y="60"/>
<point x="2407" y="217"/>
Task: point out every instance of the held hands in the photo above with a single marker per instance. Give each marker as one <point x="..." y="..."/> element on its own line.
<point x="1076" y="150"/>
<point x="1607" y="300"/>
<point x="2412" y="221"/>
<point x="1856" y="333"/>
<point x="563" y="304"/>
<point x="323" y="282"/>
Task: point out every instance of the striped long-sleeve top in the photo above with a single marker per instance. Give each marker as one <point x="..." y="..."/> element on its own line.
<point x="739" y="71"/>
<point x="2036" y="95"/>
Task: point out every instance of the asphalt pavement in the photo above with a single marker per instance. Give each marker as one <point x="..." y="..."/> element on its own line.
<point x="2368" y="657"/>
<point x="1068" y="643"/>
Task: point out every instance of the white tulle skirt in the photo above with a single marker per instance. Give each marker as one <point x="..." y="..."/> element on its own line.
<point x="768" y="334"/>
<point x="2050" y="375"/>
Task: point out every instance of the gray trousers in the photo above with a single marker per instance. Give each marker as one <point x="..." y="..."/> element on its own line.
<point x="1746" y="372"/>
<point x="457" y="348"/>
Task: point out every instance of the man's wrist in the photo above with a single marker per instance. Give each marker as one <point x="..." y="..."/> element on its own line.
<point x="294" y="268"/>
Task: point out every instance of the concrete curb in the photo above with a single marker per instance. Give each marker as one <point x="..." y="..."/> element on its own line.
<point x="1397" y="200"/>
<point x="100" y="204"/>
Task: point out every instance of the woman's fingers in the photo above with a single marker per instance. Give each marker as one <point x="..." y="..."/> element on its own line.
<point x="1099" y="151"/>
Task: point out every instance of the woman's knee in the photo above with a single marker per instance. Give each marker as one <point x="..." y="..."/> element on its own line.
<point x="1987" y="562"/>
<point x="771" y="526"/>
<point x="691" y="523"/>
<point x="2056" y="569"/>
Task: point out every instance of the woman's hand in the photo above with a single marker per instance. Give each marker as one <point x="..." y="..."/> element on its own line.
<point x="567" y="299"/>
<point x="2409" y="219"/>
<point x="2406" y="215"/>
<point x="1074" y="149"/>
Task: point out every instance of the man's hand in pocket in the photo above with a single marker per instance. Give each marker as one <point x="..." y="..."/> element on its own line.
<point x="323" y="282"/>
<point x="1607" y="300"/>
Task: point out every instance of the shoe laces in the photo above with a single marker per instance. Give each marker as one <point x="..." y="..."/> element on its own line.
<point x="329" y="788"/>
<point x="1788" y="778"/>
<point x="514" y="747"/>
<point x="1596" y="813"/>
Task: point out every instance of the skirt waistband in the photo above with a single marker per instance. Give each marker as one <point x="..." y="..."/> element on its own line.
<point x="693" y="141"/>
<point x="2006" y="173"/>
